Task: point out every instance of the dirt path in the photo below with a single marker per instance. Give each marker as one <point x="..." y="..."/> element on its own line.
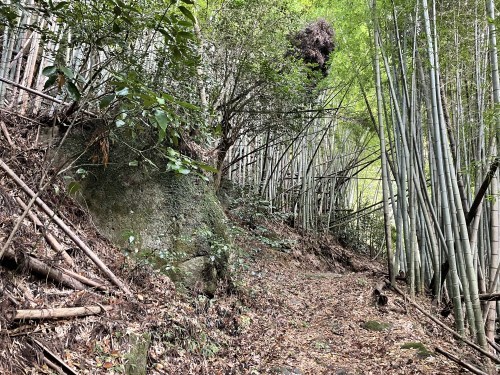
<point x="298" y="320"/>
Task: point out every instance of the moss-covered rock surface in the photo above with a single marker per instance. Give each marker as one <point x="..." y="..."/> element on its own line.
<point x="172" y="221"/>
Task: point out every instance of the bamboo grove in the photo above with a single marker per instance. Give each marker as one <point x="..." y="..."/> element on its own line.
<point x="435" y="108"/>
<point x="437" y="98"/>
<point x="411" y="104"/>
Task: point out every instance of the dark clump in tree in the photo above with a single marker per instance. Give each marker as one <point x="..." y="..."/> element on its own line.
<point x="314" y="44"/>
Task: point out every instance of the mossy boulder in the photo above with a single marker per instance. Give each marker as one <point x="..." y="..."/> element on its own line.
<point x="172" y="221"/>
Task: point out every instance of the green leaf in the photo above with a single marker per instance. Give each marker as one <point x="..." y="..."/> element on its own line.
<point x="162" y="119"/>
<point x="74" y="187"/>
<point x="168" y="97"/>
<point x="67" y="72"/>
<point x="207" y="167"/>
<point x="133" y="163"/>
<point x="187" y="105"/>
<point x="116" y="28"/>
<point x="187" y="13"/>
<point x="60" y="5"/>
<point x="184" y="35"/>
<point x="161" y="135"/>
<point x="50" y="81"/>
<point x="49" y="70"/>
<point x="73" y="91"/>
<point x="183" y="170"/>
<point x="106" y="101"/>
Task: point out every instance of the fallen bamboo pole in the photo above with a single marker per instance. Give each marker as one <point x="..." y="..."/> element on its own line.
<point x="84" y="280"/>
<point x="39" y="267"/>
<point x="61" y="312"/>
<point x="48" y="236"/>
<point x="458" y="361"/>
<point x="67" y="230"/>
<point x="41" y="94"/>
<point x="441" y="324"/>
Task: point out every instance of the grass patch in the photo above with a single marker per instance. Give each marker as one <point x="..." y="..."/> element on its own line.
<point x="373" y="325"/>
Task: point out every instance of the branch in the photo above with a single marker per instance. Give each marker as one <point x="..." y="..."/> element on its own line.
<point x="61" y="312"/>
<point x="482" y="191"/>
<point x="460" y="362"/>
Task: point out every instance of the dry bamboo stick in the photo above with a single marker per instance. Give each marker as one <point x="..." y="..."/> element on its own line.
<point x="5" y="132"/>
<point x="61" y="312"/>
<point x="442" y="325"/>
<point x="53" y="366"/>
<point x="43" y="269"/>
<point x="61" y="365"/>
<point x="84" y="279"/>
<point x="460" y="362"/>
<point x="58" y="248"/>
<point x="67" y="230"/>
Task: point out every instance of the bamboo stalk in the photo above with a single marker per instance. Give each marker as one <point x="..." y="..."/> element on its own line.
<point x="61" y="312"/>
<point x="48" y="236"/>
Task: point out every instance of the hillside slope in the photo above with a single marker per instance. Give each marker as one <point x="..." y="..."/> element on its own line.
<point x="296" y="304"/>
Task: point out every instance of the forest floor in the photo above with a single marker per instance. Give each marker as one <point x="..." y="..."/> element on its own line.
<point x="297" y="304"/>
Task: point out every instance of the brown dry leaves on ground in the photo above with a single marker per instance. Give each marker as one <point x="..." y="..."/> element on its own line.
<point x="295" y="310"/>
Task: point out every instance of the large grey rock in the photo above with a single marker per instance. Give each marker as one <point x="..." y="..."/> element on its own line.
<point x="173" y="221"/>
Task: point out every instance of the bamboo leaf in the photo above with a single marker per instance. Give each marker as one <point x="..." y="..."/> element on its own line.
<point x="73" y="91"/>
<point x="187" y="13"/>
<point x="106" y="101"/>
<point x="49" y="70"/>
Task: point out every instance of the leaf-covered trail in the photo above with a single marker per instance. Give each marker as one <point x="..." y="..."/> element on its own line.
<point x="300" y="320"/>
